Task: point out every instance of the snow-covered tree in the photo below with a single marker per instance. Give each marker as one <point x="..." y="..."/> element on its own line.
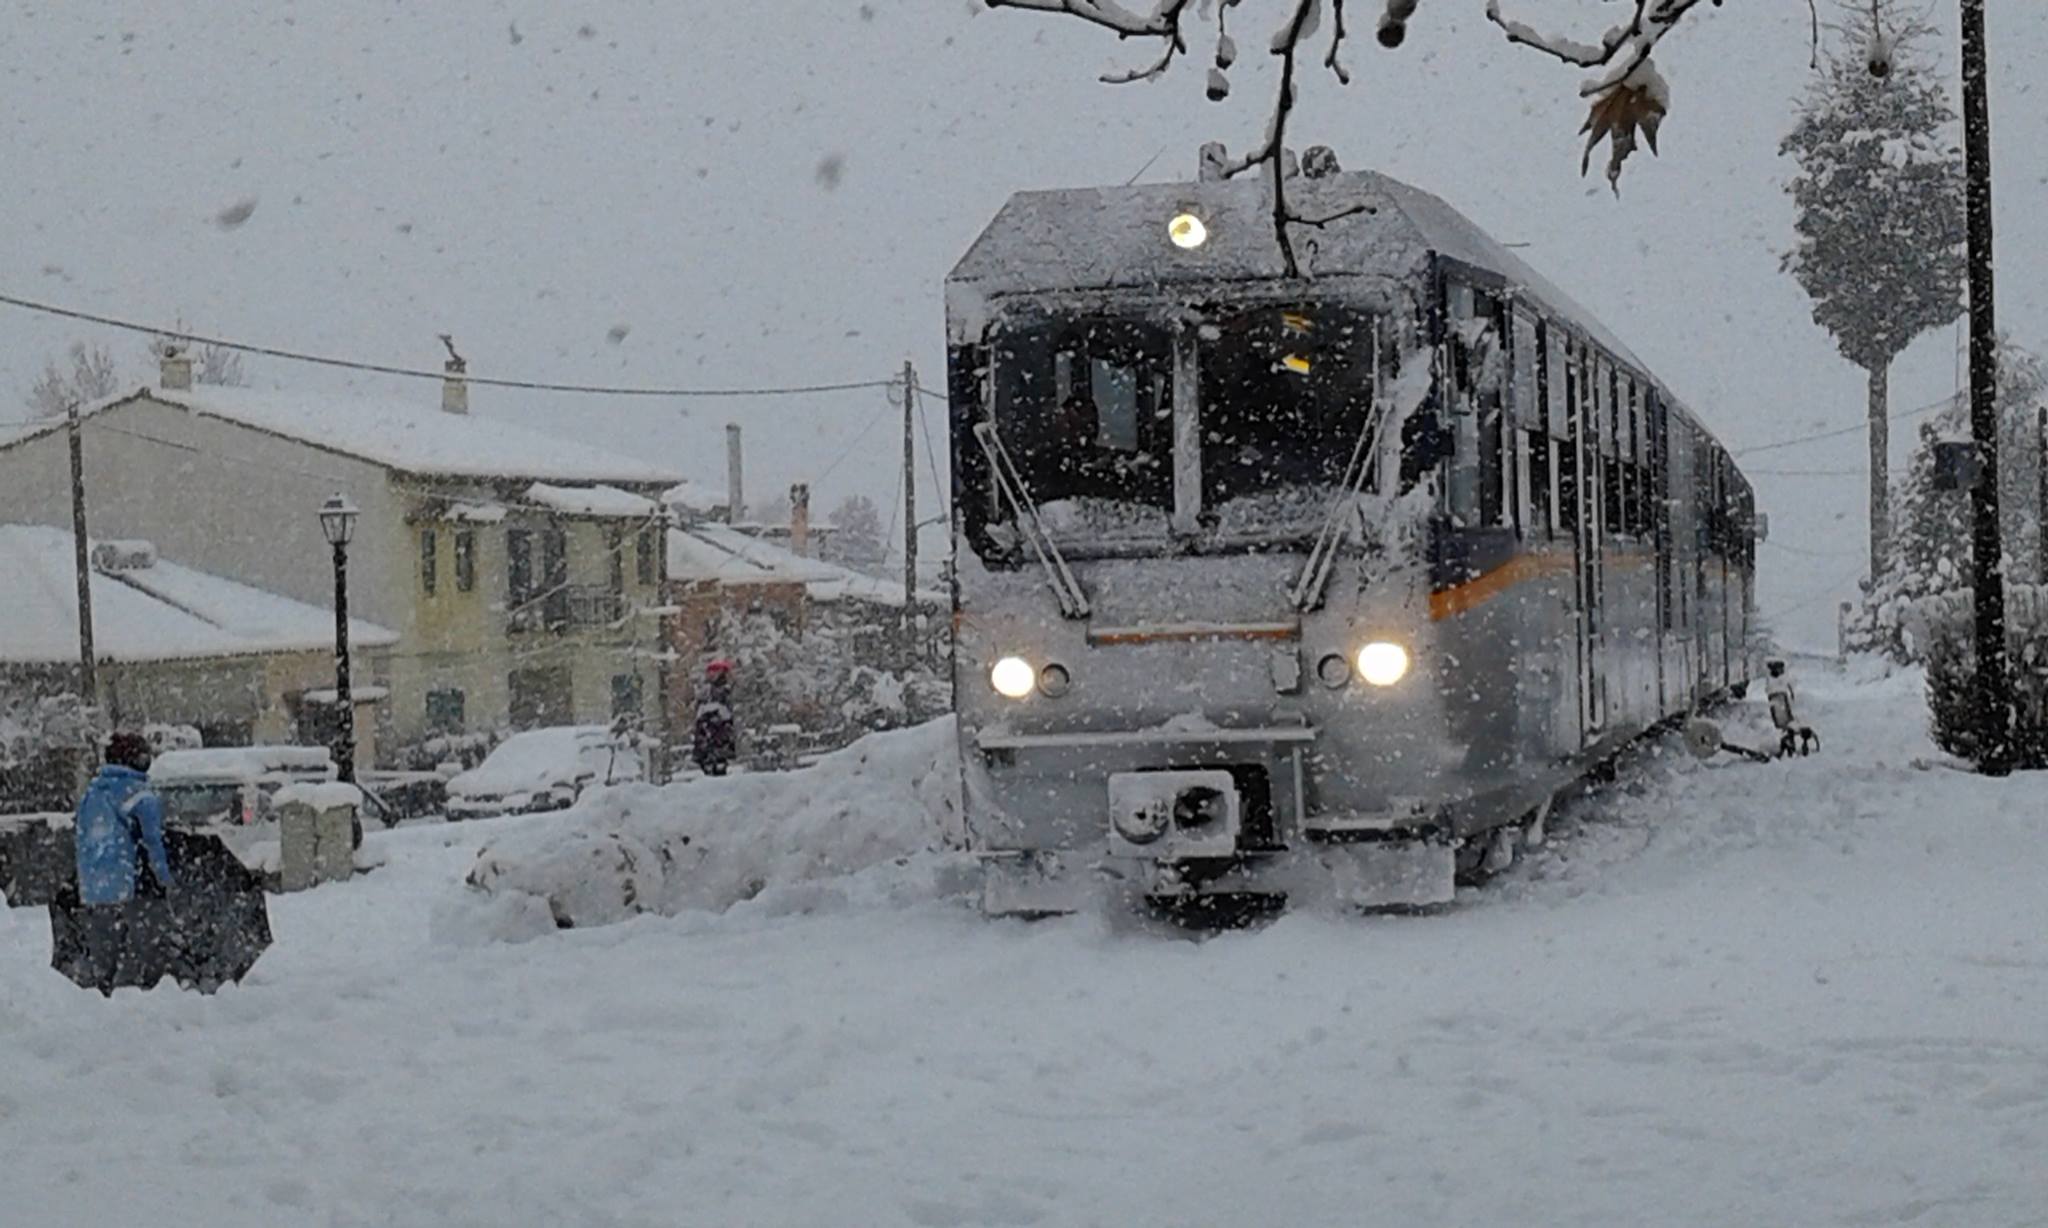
<point x="857" y="532"/>
<point x="839" y="676"/>
<point x="1880" y="199"/>
<point x="1929" y="552"/>
<point x="90" y="376"/>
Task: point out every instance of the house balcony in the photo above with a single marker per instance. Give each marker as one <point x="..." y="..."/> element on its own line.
<point x="572" y="607"/>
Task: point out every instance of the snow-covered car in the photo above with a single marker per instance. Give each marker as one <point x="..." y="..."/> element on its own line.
<point x="542" y="769"/>
<point x="232" y="785"/>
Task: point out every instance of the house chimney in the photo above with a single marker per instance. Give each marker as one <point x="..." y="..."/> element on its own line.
<point x="454" y="388"/>
<point x="735" y="499"/>
<point x="176" y="368"/>
<point x="800" y="518"/>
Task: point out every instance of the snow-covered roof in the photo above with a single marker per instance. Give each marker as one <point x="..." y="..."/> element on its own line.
<point x="600" y="500"/>
<point x="698" y="497"/>
<point x="411" y="438"/>
<point x="162" y="612"/>
<point x="721" y="554"/>
<point x="221" y="763"/>
<point x="1115" y="238"/>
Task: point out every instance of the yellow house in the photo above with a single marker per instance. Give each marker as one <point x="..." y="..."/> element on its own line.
<point x="521" y="572"/>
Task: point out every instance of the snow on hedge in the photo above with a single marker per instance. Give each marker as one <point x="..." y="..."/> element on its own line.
<point x="706" y="844"/>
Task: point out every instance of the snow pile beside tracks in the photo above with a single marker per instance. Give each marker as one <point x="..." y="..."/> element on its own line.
<point x="789" y="839"/>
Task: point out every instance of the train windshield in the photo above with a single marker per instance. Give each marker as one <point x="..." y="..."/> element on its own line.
<point x="1086" y="413"/>
<point x="1284" y="393"/>
<point x="1086" y="408"/>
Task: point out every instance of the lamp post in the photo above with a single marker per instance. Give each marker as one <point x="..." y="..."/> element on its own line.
<point x="338" y="523"/>
<point x="1993" y="698"/>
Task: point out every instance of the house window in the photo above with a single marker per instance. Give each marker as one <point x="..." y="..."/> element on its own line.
<point x="615" y="554"/>
<point x="644" y="561"/>
<point x="518" y="566"/>
<point x="465" y="560"/>
<point x="429" y="572"/>
<point x="626" y="697"/>
<point x="554" y="577"/>
<point x="540" y="697"/>
<point x="445" y="710"/>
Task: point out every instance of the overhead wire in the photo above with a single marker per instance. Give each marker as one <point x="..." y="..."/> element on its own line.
<point x="1944" y="403"/>
<point x="377" y="368"/>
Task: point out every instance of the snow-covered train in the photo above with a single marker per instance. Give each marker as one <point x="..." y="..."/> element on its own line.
<point x="1277" y="586"/>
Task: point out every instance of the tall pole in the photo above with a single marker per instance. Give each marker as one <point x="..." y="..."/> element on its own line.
<point x="666" y="639"/>
<point x="344" y="699"/>
<point x="88" y="671"/>
<point x="909" y="507"/>
<point x="1993" y="700"/>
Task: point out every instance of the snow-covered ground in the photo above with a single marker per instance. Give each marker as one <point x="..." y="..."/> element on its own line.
<point x="1807" y="993"/>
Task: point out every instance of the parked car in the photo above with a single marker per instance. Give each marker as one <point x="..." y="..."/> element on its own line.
<point x="232" y="785"/>
<point x="542" y="769"/>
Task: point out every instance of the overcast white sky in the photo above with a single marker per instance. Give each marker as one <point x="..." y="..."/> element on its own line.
<point x="416" y="169"/>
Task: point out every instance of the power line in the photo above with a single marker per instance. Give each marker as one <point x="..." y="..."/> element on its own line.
<point x="350" y="364"/>
<point x="1944" y="403"/>
<point x="859" y="435"/>
<point x="932" y="458"/>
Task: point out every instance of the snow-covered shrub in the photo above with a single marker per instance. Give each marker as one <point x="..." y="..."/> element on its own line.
<point x="1930" y="544"/>
<point x="1942" y="631"/>
<point x="841" y="675"/>
<point x="708" y="843"/>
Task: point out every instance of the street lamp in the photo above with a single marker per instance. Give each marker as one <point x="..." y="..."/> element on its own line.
<point x="338" y="523"/>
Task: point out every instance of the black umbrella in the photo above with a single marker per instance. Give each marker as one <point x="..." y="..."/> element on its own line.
<point x="207" y="930"/>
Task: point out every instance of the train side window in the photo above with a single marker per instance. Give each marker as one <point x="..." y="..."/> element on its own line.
<point x="1567" y="461"/>
<point x="1556" y="386"/>
<point x="1539" y="518"/>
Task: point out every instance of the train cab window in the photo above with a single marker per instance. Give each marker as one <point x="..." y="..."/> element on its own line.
<point x="1284" y="393"/>
<point x="1085" y="408"/>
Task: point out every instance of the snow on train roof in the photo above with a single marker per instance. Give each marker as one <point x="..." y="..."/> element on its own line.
<point x="1115" y="238"/>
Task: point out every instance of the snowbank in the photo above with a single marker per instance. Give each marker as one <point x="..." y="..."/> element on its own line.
<point x="709" y="843"/>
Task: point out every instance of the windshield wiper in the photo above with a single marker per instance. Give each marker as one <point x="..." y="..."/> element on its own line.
<point x="1314" y="579"/>
<point x="1073" y="602"/>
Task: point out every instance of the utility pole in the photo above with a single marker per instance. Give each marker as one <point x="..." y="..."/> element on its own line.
<point x="88" y="671"/>
<point x="909" y="509"/>
<point x="1993" y="699"/>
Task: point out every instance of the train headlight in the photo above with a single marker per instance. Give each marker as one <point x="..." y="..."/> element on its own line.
<point x="1187" y="231"/>
<point x="1382" y="663"/>
<point x="1054" y="680"/>
<point x="1013" y="677"/>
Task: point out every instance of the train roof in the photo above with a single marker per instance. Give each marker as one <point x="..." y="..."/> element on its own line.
<point x="1094" y="239"/>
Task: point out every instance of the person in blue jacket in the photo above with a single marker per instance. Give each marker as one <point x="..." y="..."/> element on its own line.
<point x="118" y="818"/>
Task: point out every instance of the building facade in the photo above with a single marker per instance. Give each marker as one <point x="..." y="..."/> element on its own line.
<point x="521" y="572"/>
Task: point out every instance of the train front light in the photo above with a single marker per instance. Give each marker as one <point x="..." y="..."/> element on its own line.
<point x="1013" y="677"/>
<point x="1187" y="231"/>
<point x="1382" y="663"/>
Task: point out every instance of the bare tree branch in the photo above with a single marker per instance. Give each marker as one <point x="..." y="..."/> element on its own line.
<point x="1164" y="23"/>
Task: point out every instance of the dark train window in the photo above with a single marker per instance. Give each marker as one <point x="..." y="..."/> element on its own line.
<point x="1558" y="358"/>
<point x="1539" y="484"/>
<point x="1085" y="408"/>
<point x="1568" y="451"/>
<point x="1284" y="393"/>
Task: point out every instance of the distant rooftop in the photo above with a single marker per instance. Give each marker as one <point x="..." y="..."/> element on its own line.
<point x="719" y="554"/>
<point x="149" y="611"/>
<point x="411" y="438"/>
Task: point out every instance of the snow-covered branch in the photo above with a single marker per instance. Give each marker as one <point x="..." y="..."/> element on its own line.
<point x="1627" y="94"/>
<point x="1163" y="23"/>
